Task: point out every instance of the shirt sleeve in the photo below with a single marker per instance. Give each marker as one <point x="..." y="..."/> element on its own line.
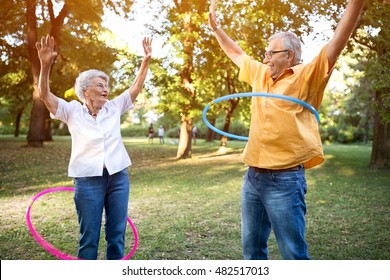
<point x="64" y="110"/>
<point x="123" y="102"/>
<point x="317" y="75"/>
<point x="250" y="70"/>
<point x="319" y="66"/>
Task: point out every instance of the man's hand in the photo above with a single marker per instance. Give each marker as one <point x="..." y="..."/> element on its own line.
<point x="147" y="45"/>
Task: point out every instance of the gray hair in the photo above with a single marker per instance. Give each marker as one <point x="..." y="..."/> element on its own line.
<point x="83" y="81"/>
<point x="289" y="41"/>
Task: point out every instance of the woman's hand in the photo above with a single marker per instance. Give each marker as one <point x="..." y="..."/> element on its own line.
<point x="147" y="45"/>
<point x="213" y="17"/>
<point x="46" y="52"/>
<point x="139" y="80"/>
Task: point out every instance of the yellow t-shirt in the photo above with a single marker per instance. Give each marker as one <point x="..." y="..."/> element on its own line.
<point x="282" y="133"/>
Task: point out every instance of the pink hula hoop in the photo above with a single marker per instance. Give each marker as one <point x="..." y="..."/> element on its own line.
<point x="49" y="247"/>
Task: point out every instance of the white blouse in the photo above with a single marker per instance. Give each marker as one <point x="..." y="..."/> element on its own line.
<point x="96" y="143"/>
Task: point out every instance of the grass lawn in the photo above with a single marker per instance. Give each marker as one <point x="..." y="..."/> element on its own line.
<point x="190" y="209"/>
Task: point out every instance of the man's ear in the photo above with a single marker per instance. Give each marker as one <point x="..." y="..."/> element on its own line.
<point x="290" y="52"/>
<point x="291" y="56"/>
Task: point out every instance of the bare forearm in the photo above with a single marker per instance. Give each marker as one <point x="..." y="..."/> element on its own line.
<point x="231" y="49"/>
<point x="139" y="81"/>
<point x="344" y="29"/>
<point x="349" y="20"/>
<point x="43" y="83"/>
<point x="50" y="100"/>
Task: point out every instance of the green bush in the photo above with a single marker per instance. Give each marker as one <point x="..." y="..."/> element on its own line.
<point x="135" y="131"/>
<point x="61" y="131"/>
<point x="237" y="127"/>
<point x="10" y="130"/>
<point x="172" y="132"/>
<point x="342" y="133"/>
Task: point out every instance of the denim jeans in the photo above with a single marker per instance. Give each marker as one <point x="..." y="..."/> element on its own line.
<point x="274" y="200"/>
<point x="91" y="196"/>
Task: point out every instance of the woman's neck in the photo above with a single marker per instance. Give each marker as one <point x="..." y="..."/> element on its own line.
<point x="92" y="110"/>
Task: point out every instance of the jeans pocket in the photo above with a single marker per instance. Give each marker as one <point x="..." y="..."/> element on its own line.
<point x="289" y="176"/>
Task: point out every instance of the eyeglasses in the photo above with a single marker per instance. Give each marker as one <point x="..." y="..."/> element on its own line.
<point x="269" y="54"/>
<point x="100" y="86"/>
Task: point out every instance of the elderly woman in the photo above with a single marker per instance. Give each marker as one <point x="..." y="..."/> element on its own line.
<point x="99" y="159"/>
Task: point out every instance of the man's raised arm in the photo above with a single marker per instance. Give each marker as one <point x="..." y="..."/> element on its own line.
<point x="344" y="30"/>
<point x="232" y="50"/>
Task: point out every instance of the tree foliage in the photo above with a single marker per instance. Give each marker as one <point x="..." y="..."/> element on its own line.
<point x="373" y="90"/>
<point x="366" y="109"/>
<point x="76" y="27"/>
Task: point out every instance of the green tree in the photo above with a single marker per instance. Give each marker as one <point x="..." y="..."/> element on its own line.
<point x="26" y="21"/>
<point x="15" y="84"/>
<point x="374" y="88"/>
<point x="179" y="87"/>
<point x="373" y="39"/>
<point x="346" y="114"/>
<point x="378" y="75"/>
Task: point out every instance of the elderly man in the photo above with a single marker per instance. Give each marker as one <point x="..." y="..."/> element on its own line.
<point x="283" y="138"/>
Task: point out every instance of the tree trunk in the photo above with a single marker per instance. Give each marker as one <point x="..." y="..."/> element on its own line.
<point x="36" y="129"/>
<point x="226" y="126"/>
<point x="185" y="141"/>
<point x="210" y="133"/>
<point x="39" y="128"/>
<point x="17" y="122"/>
<point x="184" y="149"/>
<point x="47" y="128"/>
<point x="229" y="112"/>
<point x="380" y="154"/>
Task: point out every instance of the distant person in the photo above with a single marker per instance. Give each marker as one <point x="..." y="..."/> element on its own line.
<point x="194" y="134"/>
<point x="99" y="161"/>
<point x="283" y="138"/>
<point x="161" y="133"/>
<point x="151" y="133"/>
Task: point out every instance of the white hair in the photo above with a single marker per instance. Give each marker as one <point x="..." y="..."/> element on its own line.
<point x="289" y="41"/>
<point x="83" y="81"/>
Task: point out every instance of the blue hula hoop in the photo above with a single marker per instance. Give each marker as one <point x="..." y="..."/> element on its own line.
<point x="250" y="94"/>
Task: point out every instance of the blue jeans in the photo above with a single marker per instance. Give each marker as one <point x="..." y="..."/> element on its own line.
<point x="91" y="195"/>
<point x="274" y="200"/>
